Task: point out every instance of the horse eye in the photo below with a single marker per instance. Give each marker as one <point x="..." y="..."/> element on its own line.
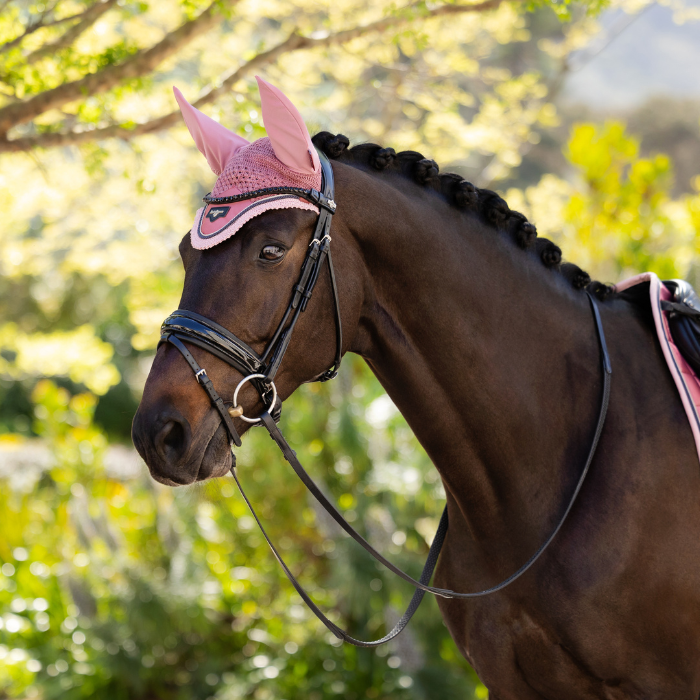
<point x="271" y="252"/>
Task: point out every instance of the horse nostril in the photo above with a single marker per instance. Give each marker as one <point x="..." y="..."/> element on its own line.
<point x="171" y="441"/>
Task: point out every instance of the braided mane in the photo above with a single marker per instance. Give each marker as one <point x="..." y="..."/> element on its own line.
<point x="488" y="205"/>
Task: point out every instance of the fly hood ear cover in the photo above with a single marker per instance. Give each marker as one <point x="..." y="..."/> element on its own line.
<point x="285" y="158"/>
<point x="216" y="142"/>
<point x="288" y="134"/>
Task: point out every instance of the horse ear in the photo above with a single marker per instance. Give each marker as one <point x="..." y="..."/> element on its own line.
<point x="216" y="142"/>
<point x="288" y="134"/>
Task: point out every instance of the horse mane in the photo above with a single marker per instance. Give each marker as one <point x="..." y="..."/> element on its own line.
<point x="488" y="205"/>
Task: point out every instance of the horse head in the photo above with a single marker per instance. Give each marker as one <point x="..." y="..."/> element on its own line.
<point x="243" y="259"/>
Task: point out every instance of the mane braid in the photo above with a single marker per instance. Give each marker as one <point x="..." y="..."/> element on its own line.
<point x="488" y="205"/>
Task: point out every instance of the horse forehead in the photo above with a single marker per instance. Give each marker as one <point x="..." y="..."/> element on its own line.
<point x="216" y="278"/>
<point x="282" y="222"/>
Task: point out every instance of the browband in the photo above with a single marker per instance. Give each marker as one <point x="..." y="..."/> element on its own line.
<point x="311" y="195"/>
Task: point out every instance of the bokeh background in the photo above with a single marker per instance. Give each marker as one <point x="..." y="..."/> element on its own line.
<point x="585" y="116"/>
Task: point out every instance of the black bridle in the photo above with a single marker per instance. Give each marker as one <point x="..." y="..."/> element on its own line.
<point x="198" y="330"/>
<point x="261" y="369"/>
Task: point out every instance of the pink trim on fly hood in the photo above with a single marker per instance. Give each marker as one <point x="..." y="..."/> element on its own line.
<point x="687" y="382"/>
<point x="286" y="158"/>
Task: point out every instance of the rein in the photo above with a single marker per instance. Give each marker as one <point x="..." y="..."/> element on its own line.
<point x="261" y="369"/>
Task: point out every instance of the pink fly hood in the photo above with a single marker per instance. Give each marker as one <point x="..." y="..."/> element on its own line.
<point x="216" y="142"/>
<point x="287" y="131"/>
<point x="286" y="158"/>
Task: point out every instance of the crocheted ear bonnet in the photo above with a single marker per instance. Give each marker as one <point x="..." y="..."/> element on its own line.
<point x="285" y="158"/>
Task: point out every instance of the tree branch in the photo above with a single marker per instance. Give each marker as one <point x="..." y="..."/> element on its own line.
<point x="87" y="19"/>
<point x="141" y="63"/>
<point x="293" y="43"/>
<point x="40" y="24"/>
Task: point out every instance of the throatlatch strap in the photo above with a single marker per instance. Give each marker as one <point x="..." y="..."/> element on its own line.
<point x="332" y="373"/>
<point x="422" y="585"/>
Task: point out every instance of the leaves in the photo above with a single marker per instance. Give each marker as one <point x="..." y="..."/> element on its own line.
<point x="113" y="586"/>
<point x="618" y="218"/>
<point x="115" y="47"/>
<point x="155" y="592"/>
<point x="77" y="354"/>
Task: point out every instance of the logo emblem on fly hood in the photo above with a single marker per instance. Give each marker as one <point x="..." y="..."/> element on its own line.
<point x="215" y="213"/>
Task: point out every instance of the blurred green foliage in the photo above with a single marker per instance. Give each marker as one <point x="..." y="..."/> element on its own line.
<point x="121" y="588"/>
<point x="112" y="586"/>
<point x="616" y="216"/>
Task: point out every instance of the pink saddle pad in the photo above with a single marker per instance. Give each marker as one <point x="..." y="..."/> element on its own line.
<point x="686" y="380"/>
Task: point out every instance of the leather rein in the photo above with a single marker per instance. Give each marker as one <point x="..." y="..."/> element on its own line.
<point x="198" y="330"/>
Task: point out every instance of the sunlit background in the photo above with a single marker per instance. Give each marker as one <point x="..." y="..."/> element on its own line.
<point x="584" y="116"/>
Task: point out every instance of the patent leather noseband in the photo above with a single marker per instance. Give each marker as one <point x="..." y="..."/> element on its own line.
<point x="186" y="326"/>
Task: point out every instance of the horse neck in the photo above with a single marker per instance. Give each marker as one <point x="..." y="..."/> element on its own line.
<point x="490" y="357"/>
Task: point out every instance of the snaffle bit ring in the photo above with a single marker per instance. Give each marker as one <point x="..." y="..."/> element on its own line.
<point x="236" y="411"/>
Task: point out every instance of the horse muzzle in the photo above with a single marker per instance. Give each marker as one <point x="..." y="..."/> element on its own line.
<point x="175" y="454"/>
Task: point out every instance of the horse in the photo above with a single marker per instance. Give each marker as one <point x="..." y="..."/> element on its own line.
<point x="485" y="341"/>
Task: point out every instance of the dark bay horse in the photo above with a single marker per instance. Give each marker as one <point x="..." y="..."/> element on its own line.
<point x="486" y="343"/>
